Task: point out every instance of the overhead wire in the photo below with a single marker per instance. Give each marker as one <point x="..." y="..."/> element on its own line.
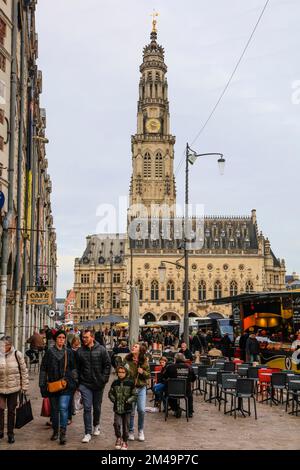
<point x="226" y="86"/>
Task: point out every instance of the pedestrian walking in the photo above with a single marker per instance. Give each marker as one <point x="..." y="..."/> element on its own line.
<point x="123" y="394"/>
<point x="93" y="365"/>
<point x="226" y="345"/>
<point x="58" y="366"/>
<point x="13" y="379"/>
<point x="75" y="345"/>
<point x="139" y="372"/>
<point x="252" y="349"/>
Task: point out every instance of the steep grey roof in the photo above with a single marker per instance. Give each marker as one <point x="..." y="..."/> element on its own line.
<point x="101" y="249"/>
<point x="213" y="233"/>
<point x="275" y="260"/>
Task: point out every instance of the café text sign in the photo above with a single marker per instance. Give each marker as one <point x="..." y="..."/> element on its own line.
<point x="39" y="298"/>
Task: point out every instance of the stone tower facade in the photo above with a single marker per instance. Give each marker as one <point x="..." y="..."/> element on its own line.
<point x="152" y="179"/>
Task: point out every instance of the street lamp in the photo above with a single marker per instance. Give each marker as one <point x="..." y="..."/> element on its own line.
<point x="190" y="157"/>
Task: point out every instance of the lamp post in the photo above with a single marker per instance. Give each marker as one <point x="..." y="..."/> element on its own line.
<point x="190" y="157"/>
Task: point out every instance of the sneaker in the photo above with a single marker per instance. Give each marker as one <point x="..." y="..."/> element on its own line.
<point x="124" y="446"/>
<point x="86" y="438"/>
<point x="141" y="436"/>
<point x="118" y="444"/>
<point x="97" y="430"/>
<point x="131" y="436"/>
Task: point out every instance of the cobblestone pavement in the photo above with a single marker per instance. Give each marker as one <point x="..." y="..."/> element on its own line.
<point x="209" y="429"/>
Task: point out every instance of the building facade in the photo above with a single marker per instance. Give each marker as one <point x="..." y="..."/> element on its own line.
<point x="233" y="256"/>
<point x="28" y="240"/>
<point x="69" y="305"/>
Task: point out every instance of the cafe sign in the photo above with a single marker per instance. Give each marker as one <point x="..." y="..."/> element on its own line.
<point x="39" y="298"/>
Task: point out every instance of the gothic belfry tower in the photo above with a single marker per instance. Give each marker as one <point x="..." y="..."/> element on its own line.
<point x="152" y="180"/>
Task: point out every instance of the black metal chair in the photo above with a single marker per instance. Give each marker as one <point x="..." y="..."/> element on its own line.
<point x="219" y="397"/>
<point x="252" y="373"/>
<point x="195" y="385"/>
<point x="229" y="367"/>
<point x="277" y="384"/>
<point x="152" y="366"/>
<point x="202" y="377"/>
<point x="228" y="387"/>
<point x="244" y="390"/>
<point x="242" y="370"/>
<point x="211" y="381"/>
<point x="176" y="389"/>
<point x="293" y="389"/>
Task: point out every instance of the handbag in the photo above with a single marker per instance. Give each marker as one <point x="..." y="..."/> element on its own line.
<point x="59" y="385"/>
<point x="23" y="412"/>
<point x="46" y="408"/>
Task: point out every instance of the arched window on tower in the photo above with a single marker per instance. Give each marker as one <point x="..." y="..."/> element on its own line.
<point x="233" y="288"/>
<point x="158" y="165"/>
<point x="154" y="290"/>
<point x="139" y="285"/>
<point x="147" y="165"/>
<point x="202" y="290"/>
<point x="249" y="287"/>
<point x="170" y="291"/>
<point x="218" y="290"/>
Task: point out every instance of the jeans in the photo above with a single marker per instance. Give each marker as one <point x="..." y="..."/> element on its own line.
<point x="71" y="408"/>
<point x="121" y="425"/>
<point x="91" y="398"/>
<point x="11" y="399"/>
<point x="158" y="390"/>
<point x="140" y="404"/>
<point x="59" y="411"/>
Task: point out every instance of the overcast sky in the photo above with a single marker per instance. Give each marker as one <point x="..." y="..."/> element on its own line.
<point x="90" y="52"/>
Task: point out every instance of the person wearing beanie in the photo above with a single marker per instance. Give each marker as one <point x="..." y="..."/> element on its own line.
<point x="122" y="393"/>
<point x="58" y="363"/>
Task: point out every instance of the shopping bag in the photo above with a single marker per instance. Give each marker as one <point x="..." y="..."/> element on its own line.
<point x="23" y="412"/>
<point x="78" y="405"/>
<point x="46" y="408"/>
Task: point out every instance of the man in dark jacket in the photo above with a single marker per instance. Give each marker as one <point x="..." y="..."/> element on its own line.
<point x="199" y="342"/>
<point x="252" y="348"/>
<point x="226" y="345"/>
<point x="186" y="352"/>
<point x="181" y="370"/>
<point x="242" y="345"/>
<point x="93" y="365"/>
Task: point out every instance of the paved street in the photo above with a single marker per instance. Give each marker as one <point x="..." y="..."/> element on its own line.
<point x="209" y="429"/>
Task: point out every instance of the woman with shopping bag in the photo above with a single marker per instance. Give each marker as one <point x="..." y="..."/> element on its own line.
<point x="58" y="380"/>
<point x="13" y="380"/>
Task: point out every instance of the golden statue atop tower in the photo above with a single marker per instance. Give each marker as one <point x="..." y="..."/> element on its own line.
<point x="154" y="21"/>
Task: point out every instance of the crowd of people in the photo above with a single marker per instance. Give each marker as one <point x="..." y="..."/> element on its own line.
<point x="77" y="361"/>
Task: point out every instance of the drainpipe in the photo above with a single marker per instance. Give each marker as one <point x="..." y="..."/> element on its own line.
<point x="19" y="202"/>
<point x="7" y="222"/>
<point x="33" y="156"/>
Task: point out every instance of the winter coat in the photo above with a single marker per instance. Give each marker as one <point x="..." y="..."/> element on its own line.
<point x="36" y="341"/>
<point x="11" y="381"/>
<point x="52" y="369"/>
<point x="252" y="346"/>
<point x="140" y="380"/>
<point x="198" y="342"/>
<point x="180" y="370"/>
<point x="93" y="366"/>
<point x="122" y="393"/>
<point x="187" y="354"/>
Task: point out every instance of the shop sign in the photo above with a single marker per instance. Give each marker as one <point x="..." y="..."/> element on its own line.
<point x="39" y="298"/>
